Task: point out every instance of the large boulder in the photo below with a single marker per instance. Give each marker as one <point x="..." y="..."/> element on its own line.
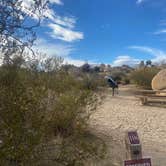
<point x="159" y="81"/>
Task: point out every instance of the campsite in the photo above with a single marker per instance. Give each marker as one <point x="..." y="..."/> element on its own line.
<point x="82" y="83"/>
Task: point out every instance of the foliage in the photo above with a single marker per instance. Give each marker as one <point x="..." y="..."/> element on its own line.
<point x="143" y="76"/>
<point x="118" y="75"/>
<point x="76" y="151"/>
<point x="97" y="69"/>
<point x="142" y="64"/>
<point x="39" y="106"/>
<point x="126" y="80"/>
<point x="93" y="81"/>
<point x="85" y="68"/>
<point x="40" y="102"/>
<point x="22" y="122"/>
<point x="148" y="63"/>
<point x="16" y="33"/>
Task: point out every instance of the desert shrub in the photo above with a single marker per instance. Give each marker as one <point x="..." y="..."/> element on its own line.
<point x="68" y="119"/>
<point x="21" y="116"/>
<point x="42" y="106"/>
<point x="85" y="67"/>
<point x="93" y="81"/>
<point x="126" y="80"/>
<point x="74" y="150"/>
<point x="143" y="76"/>
<point x="118" y="76"/>
<point x="69" y="114"/>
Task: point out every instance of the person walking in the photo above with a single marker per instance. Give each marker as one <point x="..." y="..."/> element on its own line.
<point x="112" y="84"/>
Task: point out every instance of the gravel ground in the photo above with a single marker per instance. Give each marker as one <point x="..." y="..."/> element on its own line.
<point x="124" y="112"/>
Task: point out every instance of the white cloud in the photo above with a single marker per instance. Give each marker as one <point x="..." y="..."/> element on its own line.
<point x="51" y="49"/>
<point x="145" y="49"/>
<point x="162" y="31"/>
<point x="125" y="60"/>
<point x="75" y="62"/>
<point x="61" y="50"/>
<point x="27" y="6"/>
<point x="152" y="51"/>
<point x="68" y="22"/>
<point x="29" y="2"/>
<point x="65" y="34"/>
<point x="59" y="2"/>
<point x="62" y="27"/>
<point x="140" y="1"/>
<point x="157" y="55"/>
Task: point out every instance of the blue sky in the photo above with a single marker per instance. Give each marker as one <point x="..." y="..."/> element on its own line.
<point x="113" y="32"/>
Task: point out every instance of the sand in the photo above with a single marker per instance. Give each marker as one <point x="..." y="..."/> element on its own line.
<point x="124" y="112"/>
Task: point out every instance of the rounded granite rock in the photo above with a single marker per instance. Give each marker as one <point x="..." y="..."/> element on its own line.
<point x="159" y="81"/>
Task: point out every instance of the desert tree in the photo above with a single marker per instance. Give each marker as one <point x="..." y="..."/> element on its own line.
<point x="34" y="103"/>
<point x="142" y="64"/>
<point x="19" y="102"/>
<point x="18" y="20"/>
<point x="85" y="67"/>
<point x="149" y="63"/>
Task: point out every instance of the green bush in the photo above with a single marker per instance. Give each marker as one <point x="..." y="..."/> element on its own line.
<point x="21" y="116"/>
<point x="121" y="75"/>
<point x="143" y="76"/>
<point x="126" y="80"/>
<point x="93" y="81"/>
<point x="42" y="106"/>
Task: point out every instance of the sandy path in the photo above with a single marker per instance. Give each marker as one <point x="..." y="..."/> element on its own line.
<point x="123" y="112"/>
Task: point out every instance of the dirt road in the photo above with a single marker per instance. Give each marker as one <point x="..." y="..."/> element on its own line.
<point x="124" y="112"/>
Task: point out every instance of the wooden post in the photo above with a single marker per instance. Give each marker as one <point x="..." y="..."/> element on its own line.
<point x="133" y="146"/>
<point x="144" y="100"/>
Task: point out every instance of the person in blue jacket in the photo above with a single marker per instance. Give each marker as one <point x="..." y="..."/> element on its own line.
<point x="112" y="84"/>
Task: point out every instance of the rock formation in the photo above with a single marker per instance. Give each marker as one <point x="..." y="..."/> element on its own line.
<point x="159" y="81"/>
